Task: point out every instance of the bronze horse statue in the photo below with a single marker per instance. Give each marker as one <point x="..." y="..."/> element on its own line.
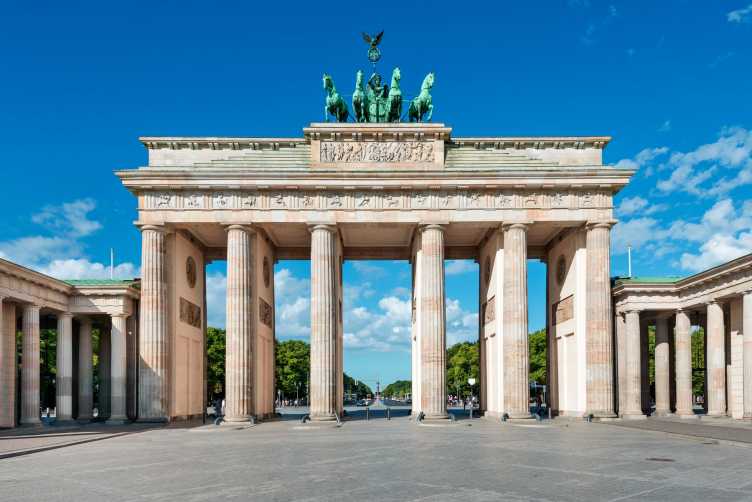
<point x="422" y="104"/>
<point x="335" y="104"/>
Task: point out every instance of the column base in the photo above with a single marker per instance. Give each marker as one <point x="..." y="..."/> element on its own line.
<point x="117" y="421"/>
<point x="686" y="415"/>
<point x="31" y="423"/>
<point x="519" y="416"/>
<point x="323" y="418"/>
<point x="601" y="414"/>
<point x="715" y="415"/>
<point x="747" y="416"/>
<point x="634" y="416"/>
<point x="663" y="413"/>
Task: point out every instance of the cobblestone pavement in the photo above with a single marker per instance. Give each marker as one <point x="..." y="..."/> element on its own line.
<point x="385" y="460"/>
<point x="720" y="429"/>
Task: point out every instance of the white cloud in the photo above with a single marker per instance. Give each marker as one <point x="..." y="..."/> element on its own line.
<point x="69" y="218"/>
<point x="718" y="249"/>
<point x="743" y="15"/>
<point x="665" y="127"/>
<point x="637" y="204"/>
<point x="731" y="152"/>
<point x="61" y="254"/>
<point x="642" y="159"/>
<point x="457" y="267"/>
<point x="216" y="299"/>
<point x="82" y="268"/>
<point x="367" y="269"/>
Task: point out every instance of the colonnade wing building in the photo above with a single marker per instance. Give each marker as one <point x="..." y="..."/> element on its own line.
<point x="375" y="191"/>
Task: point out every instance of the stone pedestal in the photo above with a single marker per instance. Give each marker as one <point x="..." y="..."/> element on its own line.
<point x="153" y="384"/>
<point x="516" y="357"/>
<point x="239" y="355"/>
<point x="433" y="392"/>
<point x="683" y="342"/>
<point x="118" y="362"/>
<point x="85" y="372"/>
<point x="30" y="367"/>
<point x="662" y="368"/>
<point x="7" y="364"/>
<point x="599" y="339"/>
<point x="716" y="361"/>
<point x="633" y="405"/>
<point x="324" y="344"/>
<point x="747" y="353"/>
<point x="64" y="377"/>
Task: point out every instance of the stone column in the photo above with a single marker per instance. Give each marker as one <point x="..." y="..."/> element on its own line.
<point x="716" y="364"/>
<point x="64" y="378"/>
<point x="599" y="337"/>
<point x="324" y="378"/>
<point x="433" y="392"/>
<point x="662" y="382"/>
<point x="118" y="374"/>
<point x="516" y="358"/>
<point x="105" y="358"/>
<point x="621" y="363"/>
<point x="30" y="367"/>
<point x="153" y="383"/>
<point x="747" y="353"/>
<point x="7" y="364"/>
<point x="85" y="371"/>
<point x="683" y="343"/>
<point x="238" y="358"/>
<point x="633" y="406"/>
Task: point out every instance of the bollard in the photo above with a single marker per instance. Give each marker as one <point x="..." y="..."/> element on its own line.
<point x="368" y="417"/>
<point x="549" y="413"/>
<point x="388" y="413"/>
<point x="470" y="412"/>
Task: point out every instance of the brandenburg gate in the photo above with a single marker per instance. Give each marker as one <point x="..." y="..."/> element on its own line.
<point x="354" y="191"/>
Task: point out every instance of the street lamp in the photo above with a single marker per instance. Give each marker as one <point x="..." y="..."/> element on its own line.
<point x="471" y="382"/>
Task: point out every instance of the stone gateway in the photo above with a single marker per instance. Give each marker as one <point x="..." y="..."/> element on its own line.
<point x="376" y="191"/>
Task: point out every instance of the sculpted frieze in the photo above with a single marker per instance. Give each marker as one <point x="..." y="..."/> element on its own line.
<point x="376" y="151"/>
<point x="405" y="198"/>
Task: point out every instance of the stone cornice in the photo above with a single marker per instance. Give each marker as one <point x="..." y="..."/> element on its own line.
<point x="216" y="143"/>
<point x="534" y="142"/>
<point x="26" y="274"/>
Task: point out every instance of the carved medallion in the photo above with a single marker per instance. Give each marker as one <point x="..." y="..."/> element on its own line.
<point x="190" y="272"/>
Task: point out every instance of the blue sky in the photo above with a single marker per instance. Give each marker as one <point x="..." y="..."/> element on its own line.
<point x="670" y="81"/>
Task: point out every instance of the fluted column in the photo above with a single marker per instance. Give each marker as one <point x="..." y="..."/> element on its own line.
<point x="621" y="360"/>
<point x="516" y="357"/>
<point x="716" y="360"/>
<point x="324" y="378"/>
<point x="118" y="362"/>
<point x="7" y="364"/>
<point x="238" y="358"/>
<point x="85" y="371"/>
<point x="683" y="344"/>
<point x="103" y="372"/>
<point x="747" y="353"/>
<point x="662" y="382"/>
<point x="30" y="366"/>
<point x="153" y="383"/>
<point x="633" y="405"/>
<point x="433" y="392"/>
<point x="64" y="378"/>
<point x="599" y="337"/>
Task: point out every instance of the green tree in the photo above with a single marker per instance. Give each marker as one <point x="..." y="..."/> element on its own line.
<point x="360" y="389"/>
<point x="537" y="342"/>
<point x="398" y="389"/>
<point x="292" y="367"/>
<point x="463" y="362"/>
<point x="698" y="362"/>
<point x="215" y="356"/>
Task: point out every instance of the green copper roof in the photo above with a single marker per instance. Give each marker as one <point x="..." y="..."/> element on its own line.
<point x="99" y="282"/>
<point x="667" y="279"/>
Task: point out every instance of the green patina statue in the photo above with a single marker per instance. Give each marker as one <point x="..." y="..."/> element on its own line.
<point x="422" y="104"/>
<point x="394" y="99"/>
<point x="335" y="104"/>
<point x="359" y="102"/>
<point x="376" y="102"/>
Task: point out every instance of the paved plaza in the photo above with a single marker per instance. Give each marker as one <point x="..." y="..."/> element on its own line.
<point x="386" y="460"/>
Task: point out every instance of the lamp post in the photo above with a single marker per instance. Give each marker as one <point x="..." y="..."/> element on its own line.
<point x="471" y="382"/>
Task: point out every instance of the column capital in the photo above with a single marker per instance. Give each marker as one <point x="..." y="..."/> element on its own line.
<point x="124" y="315"/>
<point x="329" y="227"/>
<point x="84" y="320"/>
<point x="607" y="224"/>
<point x="237" y="226"/>
<point x="32" y="306"/>
<point x="65" y="314"/>
<point x="156" y="228"/>
<point x="431" y="226"/>
<point x="714" y="301"/>
<point x="516" y="225"/>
